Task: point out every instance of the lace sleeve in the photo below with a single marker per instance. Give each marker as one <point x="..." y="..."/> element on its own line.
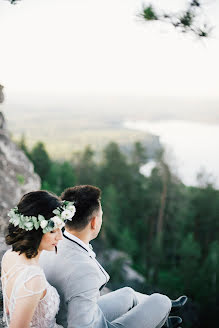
<point x="31" y="281"/>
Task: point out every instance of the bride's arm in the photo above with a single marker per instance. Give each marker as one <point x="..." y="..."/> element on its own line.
<point x="26" y="303"/>
<point x="24" y="311"/>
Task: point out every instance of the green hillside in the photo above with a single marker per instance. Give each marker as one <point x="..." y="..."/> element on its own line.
<point x="65" y="134"/>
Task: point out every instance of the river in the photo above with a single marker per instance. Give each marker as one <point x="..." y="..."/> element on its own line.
<point x="191" y="147"/>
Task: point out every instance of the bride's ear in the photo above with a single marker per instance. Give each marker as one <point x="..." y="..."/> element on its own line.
<point x="93" y="223"/>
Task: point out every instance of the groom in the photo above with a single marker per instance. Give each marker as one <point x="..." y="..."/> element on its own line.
<point x="79" y="277"/>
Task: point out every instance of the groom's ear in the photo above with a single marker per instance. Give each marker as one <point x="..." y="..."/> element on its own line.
<point x="93" y="222"/>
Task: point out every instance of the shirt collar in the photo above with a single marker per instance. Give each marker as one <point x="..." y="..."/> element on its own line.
<point x="80" y="242"/>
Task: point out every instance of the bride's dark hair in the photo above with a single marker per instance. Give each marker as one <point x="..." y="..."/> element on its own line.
<point x="31" y="204"/>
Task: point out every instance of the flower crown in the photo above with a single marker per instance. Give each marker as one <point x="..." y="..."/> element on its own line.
<point x="65" y="212"/>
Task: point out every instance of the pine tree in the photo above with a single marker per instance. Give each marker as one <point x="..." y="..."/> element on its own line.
<point x="41" y="160"/>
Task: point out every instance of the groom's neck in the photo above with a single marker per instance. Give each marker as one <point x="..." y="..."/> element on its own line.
<point x="83" y="235"/>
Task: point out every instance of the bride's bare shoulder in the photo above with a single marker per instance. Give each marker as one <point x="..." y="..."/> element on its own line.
<point x="34" y="276"/>
<point x="9" y="258"/>
<point x="9" y="254"/>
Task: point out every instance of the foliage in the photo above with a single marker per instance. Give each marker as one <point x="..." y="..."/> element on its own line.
<point x="148" y="13"/>
<point x="138" y="154"/>
<point x="185" y="21"/>
<point x="59" y="177"/>
<point x="85" y="166"/>
<point x="20" y="179"/>
<point x="41" y="160"/>
<point x="170" y="231"/>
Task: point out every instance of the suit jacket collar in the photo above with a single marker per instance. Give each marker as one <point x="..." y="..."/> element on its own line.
<point x="67" y="242"/>
<point x="80" y="243"/>
<point x="66" y="237"/>
<point x="76" y="239"/>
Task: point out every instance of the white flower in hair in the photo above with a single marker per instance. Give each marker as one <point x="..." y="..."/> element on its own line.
<point x="43" y="224"/>
<point x="58" y="223"/>
<point x="72" y="209"/>
<point x="62" y="213"/>
<point x="67" y="214"/>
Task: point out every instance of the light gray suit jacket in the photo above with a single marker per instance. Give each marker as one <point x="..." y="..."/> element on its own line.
<point x="78" y="279"/>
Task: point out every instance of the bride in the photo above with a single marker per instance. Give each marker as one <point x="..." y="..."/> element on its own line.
<point x="35" y="225"/>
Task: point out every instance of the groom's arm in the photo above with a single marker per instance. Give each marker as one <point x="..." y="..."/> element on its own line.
<point x="84" y="312"/>
<point x="82" y="295"/>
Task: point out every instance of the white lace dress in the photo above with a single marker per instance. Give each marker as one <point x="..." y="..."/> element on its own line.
<point x="47" y="308"/>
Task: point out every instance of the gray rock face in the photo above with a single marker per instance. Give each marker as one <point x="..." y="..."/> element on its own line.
<point x="1" y="94"/>
<point x="17" y="175"/>
<point x="123" y="263"/>
<point x="2" y="121"/>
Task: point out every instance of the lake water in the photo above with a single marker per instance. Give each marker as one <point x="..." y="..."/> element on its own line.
<point x="190" y="147"/>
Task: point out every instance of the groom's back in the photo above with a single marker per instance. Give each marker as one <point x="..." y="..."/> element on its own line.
<point x="74" y="271"/>
<point x="77" y="278"/>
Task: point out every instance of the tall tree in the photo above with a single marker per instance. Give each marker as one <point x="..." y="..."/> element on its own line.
<point x="41" y="160"/>
<point x="112" y="216"/>
<point x="138" y="155"/>
<point x="114" y="167"/>
<point x="60" y="176"/>
<point x="85" y="166"/>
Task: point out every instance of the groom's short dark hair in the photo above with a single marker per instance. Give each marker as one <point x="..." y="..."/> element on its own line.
<point x="86" y="199"/>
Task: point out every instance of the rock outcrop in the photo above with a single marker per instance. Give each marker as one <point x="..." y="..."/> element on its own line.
<point x="17" y="175"/>
<point x="120" y="267"/>
<point x="1" y="94"/>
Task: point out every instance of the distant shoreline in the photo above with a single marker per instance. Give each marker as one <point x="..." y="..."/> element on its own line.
<point x="191" y="147"/>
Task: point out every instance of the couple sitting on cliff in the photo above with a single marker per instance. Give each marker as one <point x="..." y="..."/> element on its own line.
<point x="65" y="283"/>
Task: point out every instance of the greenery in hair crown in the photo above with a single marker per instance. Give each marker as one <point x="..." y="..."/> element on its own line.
<point x="65" y="212"/>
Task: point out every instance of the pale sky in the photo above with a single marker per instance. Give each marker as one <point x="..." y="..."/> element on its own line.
<point x="55" y="50"/>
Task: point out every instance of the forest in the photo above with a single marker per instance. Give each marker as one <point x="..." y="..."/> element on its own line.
<point x="169" y="230"/>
